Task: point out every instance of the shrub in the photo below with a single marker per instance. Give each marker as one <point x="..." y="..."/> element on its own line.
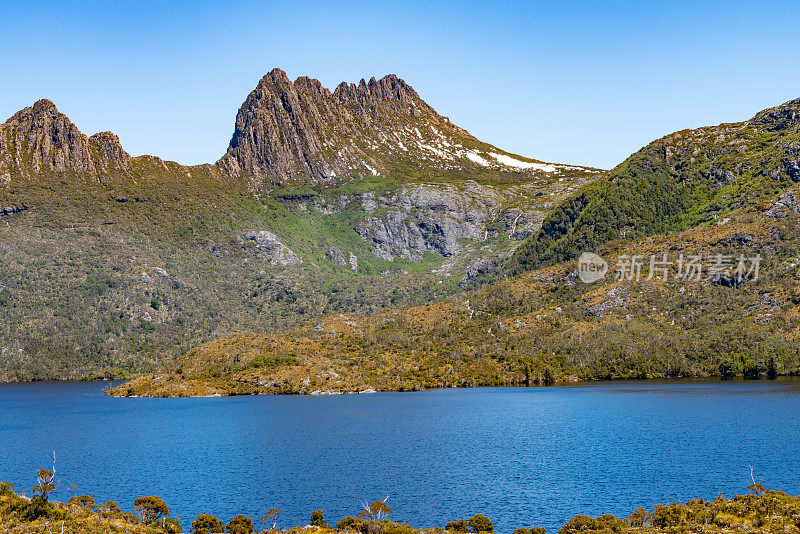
<point x="241" y="524"/>
<point x="130" y="518"/>
<point x="481" y="523"/>
<point x="83" y="501"/>
<point x="668" y="515"/>
<point x="207" y="524"/>
<point x="457" y="526"/>
<point x="639" y="518"/>
<point x="318" y="519"/>
<point x="171" y="526"/>
<point x="348" y="522"/>
<point x="38" y="507"/>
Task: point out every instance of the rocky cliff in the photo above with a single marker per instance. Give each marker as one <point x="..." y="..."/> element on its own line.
<point x="300" y="131"/>
<point x="39" y="139"/>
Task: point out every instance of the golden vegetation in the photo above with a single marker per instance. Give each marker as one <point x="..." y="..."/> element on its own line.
<point x="536" y="328"/>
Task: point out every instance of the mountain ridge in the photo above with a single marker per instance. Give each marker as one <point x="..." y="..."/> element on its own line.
<point x="111" y="265"/>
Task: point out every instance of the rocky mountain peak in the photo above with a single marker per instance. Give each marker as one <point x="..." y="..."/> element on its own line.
<point x="302" y="132"/>
<point x="780" y="117"/>
<point x="109" y="151"/>
<point x="41" y="139"/>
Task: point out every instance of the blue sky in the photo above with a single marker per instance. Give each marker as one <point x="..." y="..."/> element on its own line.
<point x="571" y="82"/>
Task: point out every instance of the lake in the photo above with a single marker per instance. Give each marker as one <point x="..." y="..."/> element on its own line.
<point x="521" y="456"/>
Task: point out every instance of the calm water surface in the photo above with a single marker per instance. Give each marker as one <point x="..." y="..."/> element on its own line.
<point x="522" y="456"/>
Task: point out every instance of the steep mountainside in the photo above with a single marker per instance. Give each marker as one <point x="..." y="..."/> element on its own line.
<point x="674" y="183"/>
<point x="543" y="326"/>
<point x="112" y="264"/>
<point x="302" y="132"/>
<point x="718" y="197"/>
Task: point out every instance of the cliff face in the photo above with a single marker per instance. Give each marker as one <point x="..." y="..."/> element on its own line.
<point x="39" y="139"/>
<point x="302" y="132"/>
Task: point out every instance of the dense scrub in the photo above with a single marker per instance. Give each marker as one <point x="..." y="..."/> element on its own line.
<point x="759" y="511"/>
<point x="540" y="327"/>
<point x="674" y="183"/>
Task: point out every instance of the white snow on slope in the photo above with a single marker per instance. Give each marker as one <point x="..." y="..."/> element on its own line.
<point x="472" y="156"/>
<point x="511" y="162"/>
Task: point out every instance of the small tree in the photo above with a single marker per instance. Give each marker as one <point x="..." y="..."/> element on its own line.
<point x="207" y="524"/>
<point x="481" y="523"/>
<point x="348" y="522"/>
<point x="639" y="518"/>
<point x="241" y="524"/>
<point x="377" y="511"/>
<point x="151" y="508"/>
<point x="318" y="519"/>
<point x="109" y="508"/>
<point x="271" y="518"/>
<point x="45" y="486"/>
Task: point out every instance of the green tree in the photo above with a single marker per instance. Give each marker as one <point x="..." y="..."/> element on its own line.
<point x="481" y="523"/>
<point x="318" y="519"/>
<point x="83" y="501"/>
<point x="348" y="522"/>
<point x="271" y="518"/>
<point x="207" y="524"/>
<point x="377" y="511"/>
<point x="45" y="486"/>
<point x="151" y="508"/>
<point x="171" y="526"/>
<point x="241" y="524"/>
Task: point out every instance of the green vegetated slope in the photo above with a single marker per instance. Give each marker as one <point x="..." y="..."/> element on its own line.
<point x="674" y="183"/>
<point x="540" y="327"/>
<point x="112" y="265"/>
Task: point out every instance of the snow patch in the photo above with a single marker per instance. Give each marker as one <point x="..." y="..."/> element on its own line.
<point x="511" y="162"/>
<point x="472" y="156"/>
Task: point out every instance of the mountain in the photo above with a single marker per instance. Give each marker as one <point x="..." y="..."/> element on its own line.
<point x="726" y="196"/>
<point x="540" y="327"/>
<point x="674" y="183"/>
<point x="39" y="139"/>
<point x="302" y="132"/>
<point x="111" y="265"/>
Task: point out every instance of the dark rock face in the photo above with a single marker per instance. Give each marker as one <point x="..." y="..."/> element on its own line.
<point x="40" y="139"/>
<point x="301" y="131"/>
<point x="780" y="117"/>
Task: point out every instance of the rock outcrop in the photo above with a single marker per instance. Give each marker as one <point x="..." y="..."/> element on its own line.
<point x="39" y="139"/>
<point x="300" y="131"/>
<point x="265" y="245"/>
<point x="786" y="204"/>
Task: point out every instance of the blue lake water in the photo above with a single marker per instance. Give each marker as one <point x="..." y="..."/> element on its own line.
<point x="522" y="456"/>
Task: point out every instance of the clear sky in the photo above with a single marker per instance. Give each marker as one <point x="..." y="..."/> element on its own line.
<point x="572" y="82"/>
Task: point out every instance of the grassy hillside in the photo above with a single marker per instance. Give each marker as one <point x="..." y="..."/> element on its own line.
<point x="674" y="183"/>
<point x="539" y="327"/>
<point x="114" y="275"/>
